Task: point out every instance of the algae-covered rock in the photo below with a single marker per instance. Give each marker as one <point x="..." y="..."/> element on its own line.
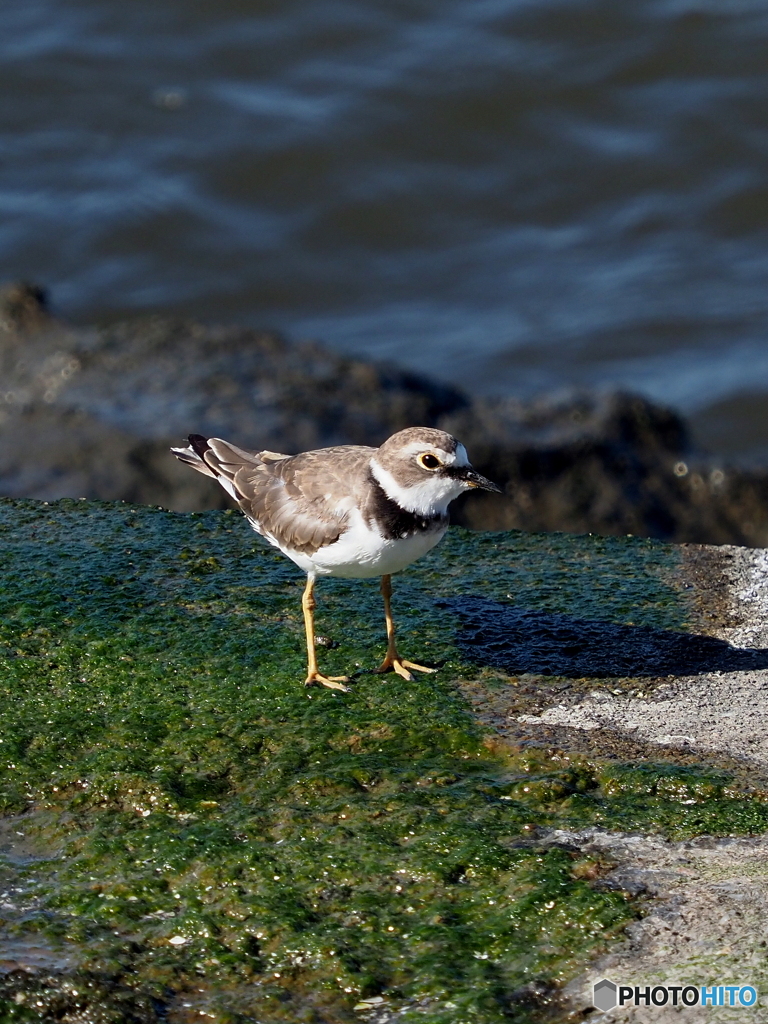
<point x="205" y="835"/>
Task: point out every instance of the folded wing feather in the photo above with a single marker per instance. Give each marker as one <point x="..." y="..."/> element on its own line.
<point x="298" y="502"/>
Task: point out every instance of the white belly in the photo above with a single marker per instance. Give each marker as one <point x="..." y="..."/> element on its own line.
<point x="361" y="553"/>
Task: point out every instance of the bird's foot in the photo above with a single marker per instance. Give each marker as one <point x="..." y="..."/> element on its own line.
<point x="332" y="682"/>
<point x="401" y="666"/>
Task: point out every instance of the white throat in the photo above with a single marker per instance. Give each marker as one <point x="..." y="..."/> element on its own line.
<point x="431" y="497"/>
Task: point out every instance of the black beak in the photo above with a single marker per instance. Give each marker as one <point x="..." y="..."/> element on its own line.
<point x="475" y="480"/>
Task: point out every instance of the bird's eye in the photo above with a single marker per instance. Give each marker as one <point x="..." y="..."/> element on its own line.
<point x="429" y="461"/>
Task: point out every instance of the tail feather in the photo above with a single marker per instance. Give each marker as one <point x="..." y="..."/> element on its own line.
<point x="221" y="460"/>
<point x="199" y="445"/>
<point x="193" y="458"/>
<point x="227" y="454"/>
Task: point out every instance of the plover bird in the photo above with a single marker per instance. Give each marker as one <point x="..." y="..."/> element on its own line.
<point x="348" y="511"/>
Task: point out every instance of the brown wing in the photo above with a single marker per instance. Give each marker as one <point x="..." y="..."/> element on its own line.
<point x="302" y="501"/>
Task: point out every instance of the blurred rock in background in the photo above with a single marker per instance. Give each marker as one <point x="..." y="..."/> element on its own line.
<point x="92" y="413"/>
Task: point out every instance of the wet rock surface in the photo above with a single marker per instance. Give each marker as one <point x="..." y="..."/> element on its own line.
<point x="202" y="836"/>
<point x="22" y="952"/>
<point x="707" y="903"/>
<point x="92" y="411"/>
<point x="705" y="899"/>
<point x="706" y="692"/>
<point x="229" y="844"/>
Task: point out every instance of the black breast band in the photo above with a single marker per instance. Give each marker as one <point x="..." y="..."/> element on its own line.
<point x="393" y="522"/>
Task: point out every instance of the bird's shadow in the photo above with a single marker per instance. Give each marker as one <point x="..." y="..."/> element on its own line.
<point x="520" y="640"/>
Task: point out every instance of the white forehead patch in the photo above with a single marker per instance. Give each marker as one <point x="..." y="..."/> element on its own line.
<point x="461" y="458"/>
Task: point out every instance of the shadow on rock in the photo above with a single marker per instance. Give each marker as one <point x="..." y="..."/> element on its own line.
<point x="520" y="640"/>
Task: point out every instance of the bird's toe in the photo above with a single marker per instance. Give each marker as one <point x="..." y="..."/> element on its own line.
<point x="330" y="682"/>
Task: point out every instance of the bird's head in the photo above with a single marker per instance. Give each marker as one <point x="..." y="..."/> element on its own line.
<point x="423" y="470"/>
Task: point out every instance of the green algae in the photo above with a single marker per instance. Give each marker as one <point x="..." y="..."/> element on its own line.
<point x="236" y="843"/>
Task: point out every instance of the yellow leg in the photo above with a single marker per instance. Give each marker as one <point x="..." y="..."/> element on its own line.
<point x="392" y="659"/>
<point x="313" y="676"/>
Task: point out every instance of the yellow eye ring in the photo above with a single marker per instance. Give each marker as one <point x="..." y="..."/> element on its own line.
<point x="429" y="461"/>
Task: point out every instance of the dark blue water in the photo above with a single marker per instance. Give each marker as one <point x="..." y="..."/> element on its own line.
<point x="516" y="196"/>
